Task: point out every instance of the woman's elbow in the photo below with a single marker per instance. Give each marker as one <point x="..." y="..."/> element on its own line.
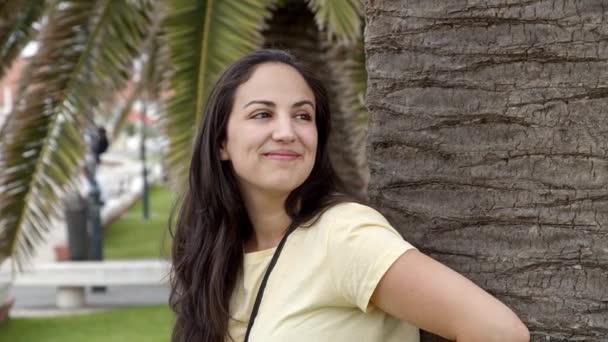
<point x="518" y="332"/>
<point x="521" y="333"/>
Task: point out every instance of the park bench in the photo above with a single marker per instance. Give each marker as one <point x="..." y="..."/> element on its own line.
<point x="72" y="277"/>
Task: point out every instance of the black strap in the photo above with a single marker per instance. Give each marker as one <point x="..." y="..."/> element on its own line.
<point x="273" y="261"/>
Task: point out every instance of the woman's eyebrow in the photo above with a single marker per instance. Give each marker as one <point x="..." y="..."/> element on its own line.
<point x="303" y="103"/>
<point x="266" y="103"/>
<point x="272" y="104"/>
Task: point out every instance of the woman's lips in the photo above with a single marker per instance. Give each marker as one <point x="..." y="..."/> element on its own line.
<point x="280" y="155"/>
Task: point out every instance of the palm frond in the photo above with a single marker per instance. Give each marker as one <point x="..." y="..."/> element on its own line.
<point x="85" y="53"/>
<point x="17" y="18"/>
<point x="151" y="80"/>
<point x="150" y="85"/>
<point x="119" y="119"/>
<point x="156" y="70"/>
<point x="347" y="65"/>
<point x="349" y="62"/>
<point x="204" y="37"/>
<point x="341" y="18"/>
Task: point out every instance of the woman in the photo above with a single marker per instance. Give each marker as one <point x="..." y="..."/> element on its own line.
<point x="260" y="176"/>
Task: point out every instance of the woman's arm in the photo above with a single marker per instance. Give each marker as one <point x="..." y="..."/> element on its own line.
<point x="433" y="297"/>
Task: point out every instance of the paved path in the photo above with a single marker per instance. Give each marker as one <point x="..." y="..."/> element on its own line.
<point x="120" y="180"/>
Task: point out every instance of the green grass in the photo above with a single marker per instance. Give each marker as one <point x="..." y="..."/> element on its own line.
<point x="128" y="237"/>
<point x="149" y="324"/>
<point x="132" y="237"/>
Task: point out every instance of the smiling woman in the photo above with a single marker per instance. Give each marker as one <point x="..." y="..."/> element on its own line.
<point x="269" y="247"/>
<point x="271" y="138"/>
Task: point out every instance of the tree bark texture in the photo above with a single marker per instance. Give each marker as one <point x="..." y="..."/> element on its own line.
<point x="489" y="148"/>
<point x="293" y="28"/>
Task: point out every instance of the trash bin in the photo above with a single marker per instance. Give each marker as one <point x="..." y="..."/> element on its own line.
<point x="76" y="221"/>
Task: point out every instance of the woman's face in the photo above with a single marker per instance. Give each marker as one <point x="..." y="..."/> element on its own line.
<point x="271" y="138"/>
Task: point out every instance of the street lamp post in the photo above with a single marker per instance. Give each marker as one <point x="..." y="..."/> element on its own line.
<point x="144" y="171"/>
<point x="94" y="204"/>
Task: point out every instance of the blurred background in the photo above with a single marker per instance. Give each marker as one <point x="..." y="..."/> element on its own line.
<point x="485" y="145"/>
<point x="99" y="101"/>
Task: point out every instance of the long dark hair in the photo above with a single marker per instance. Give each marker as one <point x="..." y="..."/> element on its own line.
<point x="210" y="224"/>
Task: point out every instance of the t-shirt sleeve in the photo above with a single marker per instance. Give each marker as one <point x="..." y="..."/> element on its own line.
<point x="362" y="246"/>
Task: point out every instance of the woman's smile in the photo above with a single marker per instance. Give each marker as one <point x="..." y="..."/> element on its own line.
<point x="282" y="155"/>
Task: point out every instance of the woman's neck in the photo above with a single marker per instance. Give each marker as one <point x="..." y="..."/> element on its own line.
<point x="268" y="218"/>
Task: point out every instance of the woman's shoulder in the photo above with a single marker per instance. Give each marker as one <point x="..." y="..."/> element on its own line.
<point x="350" y="212"/>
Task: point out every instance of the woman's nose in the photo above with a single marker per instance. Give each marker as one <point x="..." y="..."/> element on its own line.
<point x="283" y="129"/>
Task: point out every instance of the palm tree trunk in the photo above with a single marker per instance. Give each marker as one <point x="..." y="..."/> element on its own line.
<point x="489" y="149"/>
<point x="293" y="28"/>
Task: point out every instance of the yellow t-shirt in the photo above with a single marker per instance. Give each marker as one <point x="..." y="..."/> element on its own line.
<point x="320" y="288"/>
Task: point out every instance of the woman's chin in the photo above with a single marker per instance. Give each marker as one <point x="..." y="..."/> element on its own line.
<point x="282" y="187"/>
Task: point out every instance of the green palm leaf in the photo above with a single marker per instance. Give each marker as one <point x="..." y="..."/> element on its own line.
<point x="119" y="119"/>
<point x="353" y="81"/>
<point x="86" y="51"/>
<point x="152" y="78"/>
<point x="16" y="27"/>
<point x="204" y="37"/>
<point x="341" y="18"/>
<point x="347" y="64"/>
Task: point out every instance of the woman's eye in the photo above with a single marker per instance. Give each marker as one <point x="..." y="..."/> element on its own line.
<point x="304" y="116"/>
<point x="260" y="115"/>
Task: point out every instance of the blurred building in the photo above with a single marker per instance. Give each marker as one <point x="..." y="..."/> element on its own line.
<point x="9" y="86"/>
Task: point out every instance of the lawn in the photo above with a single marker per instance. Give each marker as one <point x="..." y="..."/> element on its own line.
<point x="149" y="324"/>
<point x="129" y="237"/>
<point x="133" y="237"/>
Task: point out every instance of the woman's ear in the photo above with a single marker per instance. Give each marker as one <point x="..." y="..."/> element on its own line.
<point x="223" y="152"/>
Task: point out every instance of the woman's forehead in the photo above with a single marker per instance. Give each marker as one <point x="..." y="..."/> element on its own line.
<point x="274" y="82"/>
